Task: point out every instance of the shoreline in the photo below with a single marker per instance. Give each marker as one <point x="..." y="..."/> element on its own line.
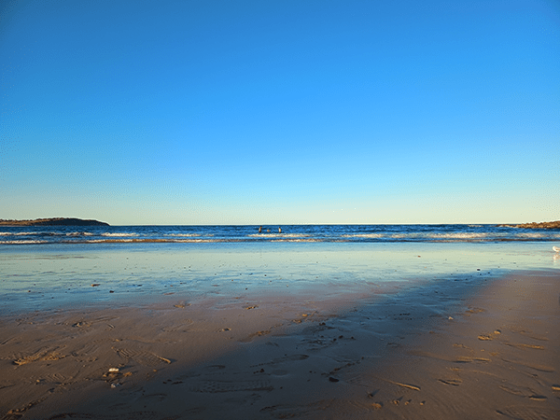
<point x="479" y="347"/>
<point x="107" y="276"/>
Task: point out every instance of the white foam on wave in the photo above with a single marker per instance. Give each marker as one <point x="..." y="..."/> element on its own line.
<point x="458" y="235"/>
<point x="19" y="233"/>
<point x="185" y="235"/>
<point x="278" y="235"/>
<point x="119" y="235"/>
<point x="365" y="235"/>
<point x="405" y="235"/>
<point x="151" y="240"/>
<point x="300" y="240"/>
<point x="28" y="241"/>
<point x="197" y="241"/>
<point x="96" y="241"/>
<point x="531" y="235"/>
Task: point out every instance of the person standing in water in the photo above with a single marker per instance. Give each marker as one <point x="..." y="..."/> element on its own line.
<point x="279" y="229"/>
<point x="260" y="229"/>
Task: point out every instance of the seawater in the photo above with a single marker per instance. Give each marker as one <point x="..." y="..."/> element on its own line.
<point x="293" y="233"/>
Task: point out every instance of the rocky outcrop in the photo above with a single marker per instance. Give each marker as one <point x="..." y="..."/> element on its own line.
<point x="57" y="221"/>
<point x="543" y="225"/>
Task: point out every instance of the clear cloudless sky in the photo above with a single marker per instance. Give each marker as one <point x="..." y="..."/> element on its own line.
<point x="280" y="111"/>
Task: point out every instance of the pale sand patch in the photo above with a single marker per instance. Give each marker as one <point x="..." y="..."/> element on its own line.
<point x="409" y="353"/>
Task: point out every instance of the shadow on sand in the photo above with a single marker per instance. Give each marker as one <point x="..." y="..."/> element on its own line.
<point x="408" y="353"/>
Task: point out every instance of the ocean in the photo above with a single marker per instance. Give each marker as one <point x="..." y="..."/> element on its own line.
<point x="292" y="233"/>
<point x="52" y="268"/>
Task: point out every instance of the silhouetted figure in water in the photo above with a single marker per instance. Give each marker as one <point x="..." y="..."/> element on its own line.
<point x="279" y="229"/>
<point x="260" y="229"/>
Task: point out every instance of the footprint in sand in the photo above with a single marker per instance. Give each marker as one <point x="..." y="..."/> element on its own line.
<point x="403" y="385"/>
<point x="81" y="324"/>
<point x="511" y="390"/>
<point x="489" y="336"/>
<point x="142" y="357"/>
<point x="526" y="346"/>
<point x="454" y="382"/>
<point x="470" y="359"/>
<point x="41" y="355"/>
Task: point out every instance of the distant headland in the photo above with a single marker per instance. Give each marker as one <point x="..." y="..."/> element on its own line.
<point x="56" y="221"/>
<point x="543" y="225"/>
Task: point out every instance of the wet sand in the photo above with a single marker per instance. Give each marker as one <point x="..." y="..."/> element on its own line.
<point x="463" y="348"/>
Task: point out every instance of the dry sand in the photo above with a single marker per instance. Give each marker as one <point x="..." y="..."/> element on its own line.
<point x="470" y="348"/>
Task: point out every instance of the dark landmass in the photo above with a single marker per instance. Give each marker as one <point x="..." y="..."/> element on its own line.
<point x="543" y="225"/>
<point x="57" y="221"/>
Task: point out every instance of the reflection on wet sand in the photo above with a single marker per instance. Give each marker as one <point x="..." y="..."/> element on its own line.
<point x="462" y="348"/>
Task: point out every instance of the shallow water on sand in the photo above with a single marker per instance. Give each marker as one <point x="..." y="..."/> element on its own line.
<point x="47" y="277"/>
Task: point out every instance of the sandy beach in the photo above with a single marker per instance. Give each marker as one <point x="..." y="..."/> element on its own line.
<point x="265" y="210"/>
<point x="478" y="347"/>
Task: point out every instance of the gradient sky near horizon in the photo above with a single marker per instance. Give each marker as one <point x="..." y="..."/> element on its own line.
<point x="280" y="112"/>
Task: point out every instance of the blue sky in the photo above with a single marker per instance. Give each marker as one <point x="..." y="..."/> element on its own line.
<point x="284" y="112"/>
